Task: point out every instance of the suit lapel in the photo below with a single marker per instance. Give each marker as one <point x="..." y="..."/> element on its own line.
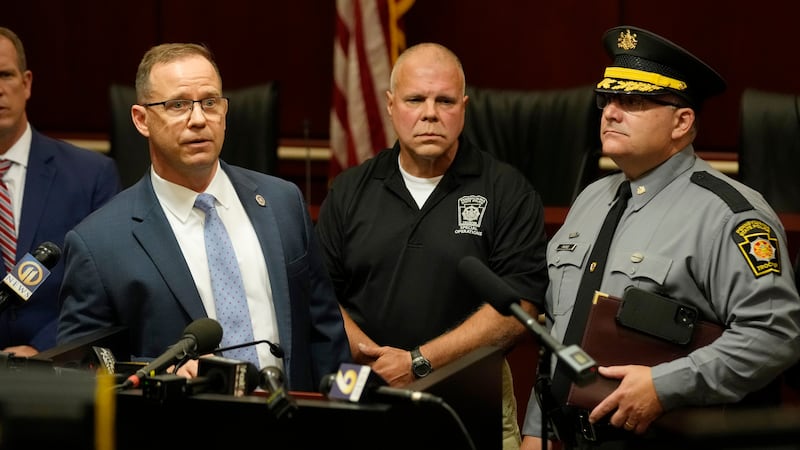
<point x="38" y="182"/>
<point x="150" y="229"/>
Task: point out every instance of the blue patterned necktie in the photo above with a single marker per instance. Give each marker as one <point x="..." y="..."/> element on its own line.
<point x="230" y="300"/>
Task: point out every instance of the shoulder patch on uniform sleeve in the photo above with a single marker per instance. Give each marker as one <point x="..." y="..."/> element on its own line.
<point x="725" y="191"/>
<point x="759" y="246"/>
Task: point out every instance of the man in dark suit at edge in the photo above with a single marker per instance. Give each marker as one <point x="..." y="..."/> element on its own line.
<point x="52" y="185"/>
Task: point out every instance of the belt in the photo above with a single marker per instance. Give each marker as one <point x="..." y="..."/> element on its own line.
<point x="601" y="431"/>
<point x="571" y="425"/>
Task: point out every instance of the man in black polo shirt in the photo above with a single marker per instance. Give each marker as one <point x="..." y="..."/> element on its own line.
<point x="394" y="229"/>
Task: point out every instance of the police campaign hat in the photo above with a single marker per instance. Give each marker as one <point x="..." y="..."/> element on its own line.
<point x="648" y="64"/>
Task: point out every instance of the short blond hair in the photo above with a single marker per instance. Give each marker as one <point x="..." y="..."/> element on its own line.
<point x="165" y="53"/>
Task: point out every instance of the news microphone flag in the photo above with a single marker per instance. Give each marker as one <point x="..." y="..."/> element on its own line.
<point x="25" y="277"/>
<point x="351" y="381"/>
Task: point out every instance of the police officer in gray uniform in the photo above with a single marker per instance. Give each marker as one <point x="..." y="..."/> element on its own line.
<point x="688" y="232"/>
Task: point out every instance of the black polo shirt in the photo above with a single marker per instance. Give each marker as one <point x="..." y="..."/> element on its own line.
<point x="394" y="265"/>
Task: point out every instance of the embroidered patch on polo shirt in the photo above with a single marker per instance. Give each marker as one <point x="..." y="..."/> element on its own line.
<point x="470" y="214"/>
<point x="759" y="246"/>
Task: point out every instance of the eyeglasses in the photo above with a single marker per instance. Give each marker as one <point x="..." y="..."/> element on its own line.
<point x="179" y="106"/>
<point x="631" y="102"/>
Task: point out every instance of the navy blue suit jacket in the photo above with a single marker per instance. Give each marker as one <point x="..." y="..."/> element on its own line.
<point x="125" y="267"/>
<point x="63" y="184"/>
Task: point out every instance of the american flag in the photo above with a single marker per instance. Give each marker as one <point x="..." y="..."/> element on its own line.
<point x="369" y="36"/>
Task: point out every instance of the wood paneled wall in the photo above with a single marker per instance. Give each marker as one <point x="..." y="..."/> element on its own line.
<point x="77" y="48"/>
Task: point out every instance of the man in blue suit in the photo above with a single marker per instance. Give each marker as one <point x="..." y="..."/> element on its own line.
<point x="140" y="261"/>
<point x="52" y="185"/>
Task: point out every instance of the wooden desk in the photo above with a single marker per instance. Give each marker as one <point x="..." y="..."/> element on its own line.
<point x="471" y="388"/>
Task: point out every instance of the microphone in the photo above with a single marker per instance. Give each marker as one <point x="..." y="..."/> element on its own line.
<point x="199" y="337"/>
<point x="271" y="379"/>
<point x="505" y="300"/>
<point x="356" y="384"/>
<point x="105" y="359"/>
<point x="275" y="349"/>
<point x="28" y="274"/>
<point x="224" y="376"/>
<point x="279" y="402"/>
<point x="215" y="375"/>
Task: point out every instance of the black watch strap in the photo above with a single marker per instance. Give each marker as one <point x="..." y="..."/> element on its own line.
<point x="420" y="366"/>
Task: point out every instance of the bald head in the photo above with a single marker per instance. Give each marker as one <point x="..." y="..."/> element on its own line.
<point x="427" y="104"/>
<point x="427" y="54"/>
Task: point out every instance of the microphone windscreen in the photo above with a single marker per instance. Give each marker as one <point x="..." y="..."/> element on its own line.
<point x="47" y="253"/>
<point x="490" y="287"/>
<point x="207" y="333"/>
<point x="326" y="383"/>
<point x="252" y="377"/>
<point x="270" y="378"/>
<point x="226" y="376"/>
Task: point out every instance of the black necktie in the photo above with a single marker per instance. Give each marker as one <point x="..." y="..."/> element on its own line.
<point x="590" y="282"/>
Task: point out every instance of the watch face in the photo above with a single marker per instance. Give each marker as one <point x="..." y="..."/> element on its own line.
<point x="421" y="367"/>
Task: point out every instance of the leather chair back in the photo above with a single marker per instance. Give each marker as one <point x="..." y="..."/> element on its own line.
<point x="551" y="136"/>
<point x="252" y="128"/>
<point x="251" y="135"/>
<point x="128" y="148"/>
<point x="769" y="147"/>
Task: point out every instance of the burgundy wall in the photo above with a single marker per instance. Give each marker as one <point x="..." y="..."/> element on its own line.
<point x="77" y="48"/>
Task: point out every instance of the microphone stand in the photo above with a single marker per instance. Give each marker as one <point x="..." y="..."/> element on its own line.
<point x="542" y="386"/>
<point x="186" y="358"/>
<point x="581" y="368"/>
<point x="275" y="349"/>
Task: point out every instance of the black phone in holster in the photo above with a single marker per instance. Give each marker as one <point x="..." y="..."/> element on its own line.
<point x="657" y="315"/>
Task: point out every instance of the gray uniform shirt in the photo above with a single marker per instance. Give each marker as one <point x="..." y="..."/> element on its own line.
<point x="682" y="240"/>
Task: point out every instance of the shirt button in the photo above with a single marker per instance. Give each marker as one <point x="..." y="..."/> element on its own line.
<point x="637" y="257"/>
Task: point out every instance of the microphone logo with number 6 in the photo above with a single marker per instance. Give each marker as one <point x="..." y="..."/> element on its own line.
<point x="351" y="380"/>
<point x="346" y="381"/>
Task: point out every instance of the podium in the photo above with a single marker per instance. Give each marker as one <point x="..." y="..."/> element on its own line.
<point x="39" y="409"/>
<point x="471" y="386"/>
<point x="82" y="353"/>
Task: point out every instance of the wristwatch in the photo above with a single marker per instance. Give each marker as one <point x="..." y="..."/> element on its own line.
<point x="420" y="364"/>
